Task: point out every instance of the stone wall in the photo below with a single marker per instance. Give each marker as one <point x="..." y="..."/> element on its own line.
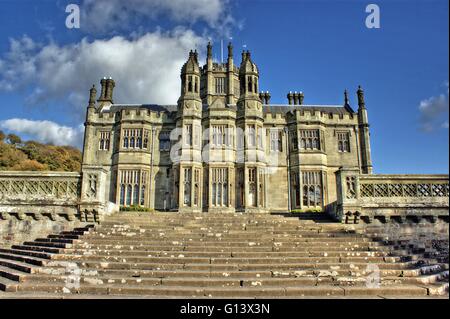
<point x="15" y="231"/>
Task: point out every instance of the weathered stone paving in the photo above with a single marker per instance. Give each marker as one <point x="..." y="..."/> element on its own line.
<point x="218" y="256"/>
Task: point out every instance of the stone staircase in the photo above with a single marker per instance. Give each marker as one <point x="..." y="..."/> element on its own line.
<point x="173" y="255"/>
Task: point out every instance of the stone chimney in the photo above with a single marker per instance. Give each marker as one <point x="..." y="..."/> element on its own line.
<point x="108" y="86"/>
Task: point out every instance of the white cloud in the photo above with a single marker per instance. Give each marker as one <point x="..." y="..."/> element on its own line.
<point x="146" y="69"/>
<point x="101" y="16"/>
<point x="45" y="131"/>
<point x="434" y="112"/>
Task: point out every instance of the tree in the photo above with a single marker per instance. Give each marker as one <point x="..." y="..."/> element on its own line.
<point x="13" y="139"/>
<point x="2" y="136"/>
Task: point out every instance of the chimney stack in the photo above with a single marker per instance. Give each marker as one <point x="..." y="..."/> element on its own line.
<point x="108" y="86"/>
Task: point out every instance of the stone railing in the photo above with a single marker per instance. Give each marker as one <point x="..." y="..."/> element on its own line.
<point x="53" y="195"/>
<point x="386" y="197"/>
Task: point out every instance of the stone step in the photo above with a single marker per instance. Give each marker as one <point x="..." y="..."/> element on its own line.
<point x="8" y="285"/>
<point x="35" y="261"/>
<point x="37" y="248"/>
<point x="230" y="242"/>
<point x="11" y="274"/>
<point x="29" y="253"/>
<point x="218" y="249"/>
<point x="179" y="264"/>
<point x="17" y="265"/>
<point x="244" y="254"/>
<point x="47" y="245"/>
<point x="224" y="292"/>
<point x="253" y="274"/>
<point x="182" y="259"/>
<point x="222" y="236"/>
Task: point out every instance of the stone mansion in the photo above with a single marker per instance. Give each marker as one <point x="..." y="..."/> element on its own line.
<point x="224" y="146"/>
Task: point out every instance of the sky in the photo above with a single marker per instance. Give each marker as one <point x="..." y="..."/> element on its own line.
<point x="319" y="47"/>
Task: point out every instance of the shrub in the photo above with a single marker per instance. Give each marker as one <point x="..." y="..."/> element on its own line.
<point x="135" y="208"/>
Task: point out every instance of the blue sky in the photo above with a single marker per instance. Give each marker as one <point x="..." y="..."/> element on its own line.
<point x="318" y="47"/>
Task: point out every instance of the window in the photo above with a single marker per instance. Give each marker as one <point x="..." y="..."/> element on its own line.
<point x="276" y="144"/>
<point x="187" y="186"/>
<point x="132" y="187"/>
<point x="145" y="145"/>
<point x="241" y="192"/>
<point x="132" y="138"/>
<point x="104" y="141"/>
<point x="219" y="186"/>
<point x="220" y="135"/>
<point x="250" y="83"/>
<point x="251" y="136"/>
<point x="343" y="142"/>
<point x="196" y="187"/>
<point x="190" y="83"/>
<point x="252" y="186"/>
<point x="312" y="189"/>
<point x="220" y="85"/>
<point x="296" y="186"/>
<point x="188" y="135"/>
<point x="310" y="139"/>
<point x="294" y="141"/>
<point x="164" y="141"/>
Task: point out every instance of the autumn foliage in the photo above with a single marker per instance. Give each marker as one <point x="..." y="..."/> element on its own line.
<point x="16" y="155"/>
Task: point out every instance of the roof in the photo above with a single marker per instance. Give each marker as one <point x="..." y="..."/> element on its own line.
<point x="151" y="107"/>
<point x="273" y="108"/>
<point x="335" y="109"/>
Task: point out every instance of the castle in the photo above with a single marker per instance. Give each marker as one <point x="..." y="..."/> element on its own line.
<point x="224" y="147"/>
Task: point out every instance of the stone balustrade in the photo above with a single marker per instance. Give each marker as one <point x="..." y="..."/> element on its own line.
<point x="53" y="195"/>
<point x="384" y="198"/>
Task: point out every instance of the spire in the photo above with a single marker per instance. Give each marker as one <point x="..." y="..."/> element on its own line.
<point x="361" y="102"/>
<point x="92" y="96"/>
<point x="346" y="100"/>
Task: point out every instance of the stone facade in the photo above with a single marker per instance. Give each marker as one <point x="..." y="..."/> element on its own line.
<point x="224" y="147"/>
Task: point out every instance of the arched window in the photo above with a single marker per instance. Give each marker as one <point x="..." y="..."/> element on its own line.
<point x="102" y="144"/>
<point x="146" y="143"/>
<point x="129" y="194"/>
<point x="142" y="195"/>
<point x="196" y="85"/>
<point x="136" y="195"/>
<point x="225" y="194"/>
<point x="340" y="146"/>
<point x="132" y="144"/>
<point x="250" y="84"/>
<point x="219" y="194"/>
<point x="190" y="84"/>
<point x="107" y="144"/>
<point x="125" y="142"/>
<point x="305" y="196"/>
<point x="139" y="142"/>
<point x="214" y="196"/>
<point x="122" y="195"/>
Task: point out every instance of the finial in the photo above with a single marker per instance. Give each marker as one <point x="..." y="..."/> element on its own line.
<point x="92" y="95"/>
<point x="361" y="102"/>
<point x="346" y="101"/>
